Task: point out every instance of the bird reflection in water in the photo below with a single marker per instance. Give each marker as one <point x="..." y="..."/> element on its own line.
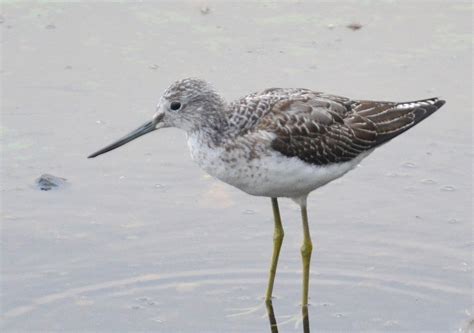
<point x="274" y="324"/>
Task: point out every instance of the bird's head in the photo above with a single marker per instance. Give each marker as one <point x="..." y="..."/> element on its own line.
<point x="189" y="104"/>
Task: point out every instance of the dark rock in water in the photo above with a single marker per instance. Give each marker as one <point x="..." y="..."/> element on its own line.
<point x="48" y="182"/>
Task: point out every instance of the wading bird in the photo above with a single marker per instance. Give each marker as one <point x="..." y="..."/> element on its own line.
<point x="279" y="142"/>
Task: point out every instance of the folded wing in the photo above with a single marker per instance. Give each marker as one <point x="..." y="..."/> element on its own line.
<point x="322" y="129"/>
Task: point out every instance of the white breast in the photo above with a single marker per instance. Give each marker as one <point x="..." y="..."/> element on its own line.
<point x="270" y="175"/>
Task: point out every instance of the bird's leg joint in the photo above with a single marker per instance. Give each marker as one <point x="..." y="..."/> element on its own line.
<point x="306" y="249"/>
<point x="278" y="235"/>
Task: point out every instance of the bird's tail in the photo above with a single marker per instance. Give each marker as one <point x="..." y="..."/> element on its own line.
<point x="392" y="119"/>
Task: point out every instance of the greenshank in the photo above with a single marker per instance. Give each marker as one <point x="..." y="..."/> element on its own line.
<point x="279" y="142"/>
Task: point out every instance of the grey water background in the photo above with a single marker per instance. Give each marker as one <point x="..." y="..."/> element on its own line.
<point x="142" y="240"/>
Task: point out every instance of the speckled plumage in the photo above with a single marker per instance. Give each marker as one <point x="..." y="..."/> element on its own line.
<point x="322" y="129"/>
<point x="285" y="142"/>
<point x="279" y="142"/>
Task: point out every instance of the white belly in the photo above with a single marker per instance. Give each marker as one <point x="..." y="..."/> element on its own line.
<point x="271" y="175"/>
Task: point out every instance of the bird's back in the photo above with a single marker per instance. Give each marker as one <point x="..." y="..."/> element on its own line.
<point x="322" y="129"/>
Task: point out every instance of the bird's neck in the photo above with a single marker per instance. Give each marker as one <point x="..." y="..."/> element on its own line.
<point x="212" y="128"/>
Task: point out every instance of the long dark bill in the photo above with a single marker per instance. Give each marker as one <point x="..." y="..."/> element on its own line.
<point x="142" y="130"/>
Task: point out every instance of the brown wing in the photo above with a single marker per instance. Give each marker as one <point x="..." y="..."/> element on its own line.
<point x="392" y="119"/>
<point x="324" y="129"/>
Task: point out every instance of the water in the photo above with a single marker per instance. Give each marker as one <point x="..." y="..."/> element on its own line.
<point x="142" y="240"/>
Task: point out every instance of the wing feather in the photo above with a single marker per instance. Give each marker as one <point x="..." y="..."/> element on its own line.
<point x="322" y="129"/>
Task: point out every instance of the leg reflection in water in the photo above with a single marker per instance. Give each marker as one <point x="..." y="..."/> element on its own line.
<point x="271" y="317"/>
<point x="305" y="319"/>
<point x="274" y="325"/>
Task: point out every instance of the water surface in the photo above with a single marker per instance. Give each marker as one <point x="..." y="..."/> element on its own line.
<point x="142" y="240"/>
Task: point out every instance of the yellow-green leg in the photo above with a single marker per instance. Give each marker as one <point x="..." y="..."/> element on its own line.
<point x="306" y="250"/>
<point x="277" y="241"/>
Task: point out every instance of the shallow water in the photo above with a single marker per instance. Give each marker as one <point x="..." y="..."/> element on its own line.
<point x="142" y="240"/>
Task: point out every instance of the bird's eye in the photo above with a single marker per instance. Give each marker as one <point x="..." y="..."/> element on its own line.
<point x="175" y="106"/>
